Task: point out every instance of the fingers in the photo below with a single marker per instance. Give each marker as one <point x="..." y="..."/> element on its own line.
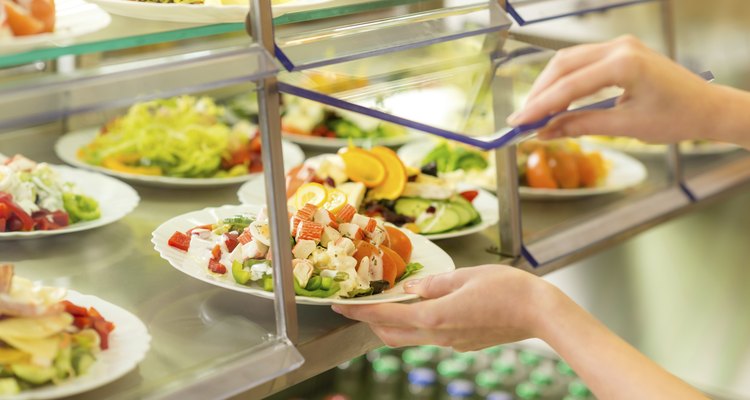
<point x="567" y="61"/>
<point x="397" y="337"/>
<point x="593" y="122"/>
<point x="378" y="314"/>
<point x="558" y="96"/>
<point x="434" y="286"/>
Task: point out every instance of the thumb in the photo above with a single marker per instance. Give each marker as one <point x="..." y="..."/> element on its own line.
<point x="433" y="286"/>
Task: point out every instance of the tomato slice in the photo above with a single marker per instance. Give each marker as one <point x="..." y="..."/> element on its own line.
<point x="74" y="310"/>
<point x="216" y="267"/>
<point x="180" y="241"/>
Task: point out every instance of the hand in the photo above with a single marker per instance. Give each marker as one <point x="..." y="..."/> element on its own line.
<point x="467" y="309"/>
<point x="662" y="102"/>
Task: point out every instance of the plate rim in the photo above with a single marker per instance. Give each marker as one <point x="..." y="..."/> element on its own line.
<point x="70" y="139"/>
<point x="126" y="191"/>
<point x="161" y="249"/>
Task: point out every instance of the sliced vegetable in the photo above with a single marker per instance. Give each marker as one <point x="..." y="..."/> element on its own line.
<point x="180" y="241"/>
<point x="411" y="269"/>
<point x="80" y="207"/>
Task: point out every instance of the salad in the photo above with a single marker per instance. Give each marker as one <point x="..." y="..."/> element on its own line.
<point x="310" y="118"/>
<point x="45" y="340"/>
<point x="559" y="164"/>
<point x="33" y="197"/>
<point x="377" y="183"/>
<point x="337" y="253"/>
<point x="23" y="18"/>
<point x="184" y="137"/>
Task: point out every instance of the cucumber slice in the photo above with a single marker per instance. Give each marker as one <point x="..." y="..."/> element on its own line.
<point x="460" y="201"/>
<point x="464" y="216"/>
<point x="411" y="207"/>
<point x="445" y="219"/>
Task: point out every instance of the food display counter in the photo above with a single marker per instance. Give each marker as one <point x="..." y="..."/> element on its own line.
<point x="209" y="342"/>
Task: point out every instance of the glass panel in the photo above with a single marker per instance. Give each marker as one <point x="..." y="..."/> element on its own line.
<point x="455" y="90"/>
<point x="330" y="41"/>
<point x="33" y="99"/>
<point x="532" y="11"/>
<point x="121" y="33"/>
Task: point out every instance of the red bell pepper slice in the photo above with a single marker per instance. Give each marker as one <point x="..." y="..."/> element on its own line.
<point x="75" y="310"/>
<point x="180" y="241"/>
<point x="216" y="267"/>
<point x="470" y="195"/>
<point x="27" y="224"/>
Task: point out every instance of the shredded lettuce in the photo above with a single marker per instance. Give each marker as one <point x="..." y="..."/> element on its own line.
<point x="178" y="137"/>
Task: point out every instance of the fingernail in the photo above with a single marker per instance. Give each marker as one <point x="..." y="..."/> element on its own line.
<point x="411" y="284"/>
<point x="336" y="309"/>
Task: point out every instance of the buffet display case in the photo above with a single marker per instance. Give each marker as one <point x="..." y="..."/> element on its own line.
<point x="440" y="69"/>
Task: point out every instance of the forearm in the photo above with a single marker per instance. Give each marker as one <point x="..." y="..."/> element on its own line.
<point x="610" y="367"/>
<point x="731" y="120"/>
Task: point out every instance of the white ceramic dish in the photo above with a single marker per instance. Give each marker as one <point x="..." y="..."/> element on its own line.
<point x="202" y="13"/>
<point x="253" y="192"/>
<point x="434" y="259"/>
<point x="128" y="345"/>
<point x="640" y="149"/>
<point x="116" y="200"/>
<point x="624" y="172"/>
<point x="73" y="18"/>
<point x="67" y="147"/>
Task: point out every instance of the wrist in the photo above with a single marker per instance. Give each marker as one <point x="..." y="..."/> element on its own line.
<point x="550" y="305"/>
<point x="729" y="119"/>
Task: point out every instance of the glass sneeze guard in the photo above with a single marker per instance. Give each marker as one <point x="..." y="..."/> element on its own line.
<point x="526" y="12"/>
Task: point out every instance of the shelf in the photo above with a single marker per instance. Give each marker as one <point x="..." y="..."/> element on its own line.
<point x="125" y="33"/>
<point x="32" y="100"/>
<point x="334" y="41"/>
<point x="526" y="12"/>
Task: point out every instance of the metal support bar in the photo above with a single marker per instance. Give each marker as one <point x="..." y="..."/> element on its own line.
<point x="261" y="29"/>
<point x="509" y="202"/>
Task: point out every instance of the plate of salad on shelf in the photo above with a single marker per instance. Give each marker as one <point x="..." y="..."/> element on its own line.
<point x="39" y="200"/>
<point x="309" y="123"/>
<point x="339" y="256"/>
<point x="25" y="25"/>
<point x="59" y="342"/>
<point x="177" y="142"/>
<point x="547" y="170"/>
<point x="378" y="184"/>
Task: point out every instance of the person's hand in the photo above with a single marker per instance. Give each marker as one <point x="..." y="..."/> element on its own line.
<point x="662" y="102"/>
<point x="467" y="309"/>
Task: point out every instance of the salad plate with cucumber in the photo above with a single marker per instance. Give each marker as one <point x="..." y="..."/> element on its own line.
<point x="39" y="200"/>
<point x="377" y="184"/>
<point x="338" y="255"/>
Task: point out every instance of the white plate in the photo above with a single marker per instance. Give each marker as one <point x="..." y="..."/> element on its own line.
<point x="337" y="143"/>
<point x="73" y="18"/>
<point x="624" y="172"/>
<point x="128" y="345"/>
<point x="116" y="200"/>
<point x="68" y="145"/>
<point x="434" y="259"/>
<point x="253" y="192"/>
<point x="201" y="13"/>
<point x="638" y="148"/>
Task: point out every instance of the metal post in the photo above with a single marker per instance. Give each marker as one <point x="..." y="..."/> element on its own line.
<point x="260" y="20"/>
<point x="674" y="158"/>
<point x="511" y="234"/>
